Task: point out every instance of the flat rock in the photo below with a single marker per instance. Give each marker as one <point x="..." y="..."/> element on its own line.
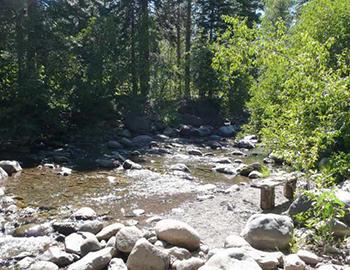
<point x="111" y="230"/>
<point x="178" y="233"/>
<point x="94" y="260"/>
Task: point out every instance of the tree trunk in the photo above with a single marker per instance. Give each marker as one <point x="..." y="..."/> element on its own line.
<point x="188" y="50"/>
<point x="178" y="45"/>
<point x="20" y="47"/>
<point x="133" y="53"/>
<point x="144" y="50"/>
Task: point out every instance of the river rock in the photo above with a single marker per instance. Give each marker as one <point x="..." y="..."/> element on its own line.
<point x="126" y="142"/>
<point x="94" y="260"/>
<point x="107" y="163"/>
<point x="245" y="143"/>
<point x="227" y="131"/>
<point x="117" y="264"/>
<point x="33" y="230"/>
<point x="43" y="265"/>
<point x="57" y="256"/>
<point x="111" y="230"/>
<point x="180" y="167"/>
<point x="179" y="253"/>
<point x="230" y="259"/>
<point x="25" y="263"/>
<point x="245" y="170"/>
<point x="65" y="227"/>
<point x="293" y="262"/>
<point x="235" y="241"/>
<point x="178" y="233"/>
<point x="308" y="257"/>
<point x="145" y="256"/>
<point x="187" y="131"/>
<point x="89" y="245"/>
<point x="190" y="264"/>
<point x="300" y="205"/>
<point x="268" y="231"/>
<point x="3" y="174"/>
<point x="127" y="237"/>
<point x="10" y="167"/>
<point x="195" y="152"/>
<point x="138" y="123"/>
<point x="74" y="242"/>
<point x="130" y="165"/>
<point x="91" y="226"/>
<point x="84" y="213"/>
<point x="255" y="175"/>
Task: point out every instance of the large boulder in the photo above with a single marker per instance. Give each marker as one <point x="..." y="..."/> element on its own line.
<point x="230" y="259"/>
<point x="127" y="237"/>
<point x="94" y="260"/>
<point x="10" y="167"/>
<point x="57" y="256"/>
<point x="138" y="124"/>
<point x="3" y="174"/>
<point x="75" y="241"/>
<point x="268" y="231"/>
<point x="178" y="233"/>
<point x="142" y="140"/>
<point x="227" y="131"/>
<point x="187" y="131"/>
<point x="145" y="256"/>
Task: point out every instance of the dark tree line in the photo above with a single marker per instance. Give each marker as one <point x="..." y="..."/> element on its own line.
<point x="66" y="63"/>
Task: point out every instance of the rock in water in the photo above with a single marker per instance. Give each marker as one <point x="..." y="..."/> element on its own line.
<point x="145" y="256"/>
<point x="178" y="233"/>
<point x="268" y="231"/>
<point x="84" y="213"/>
<point x="127" y="237"/>
<point x="130" y="165"/>
<point x="10" y="167"/>
<point x="94" y="260"/>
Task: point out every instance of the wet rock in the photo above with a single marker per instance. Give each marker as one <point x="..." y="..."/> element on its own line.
<point x="190" y="264"/>
<point x="293" y="262"/>
<point x="223" y="161"/>
<point x="247" y="169"/>
<point x="10" y="167"/>
<point x="308" y="257"/>
<point x="111" y="230"/>
<point x="65" y="227"/>
<point x="117" y="264"/>
<point x="230" y="259"/>
<point x="127" y="237"/>
<point x="130" y="165"/>
<point x="84" y="213"/>
<point x="74" y="242"/>
<point x="33" y="230"/>
<point x="195" y="152"/>
<point x="58" y="257"/>
<point x="268" y="231"/>
<point x="157" y="259"/>
<point x="3" y="174"/>
<point x="255" y="175"/>
<point x="180" y="167"/>
<point x="114" y="145"/>
<point x="238" y="153"/>
<point x="235" y="241"/>
<point x="179" y="253"/>
<point x="43" y="265"/>
<point x="142" y="140"/>
<point x="225" y="169"/>
<point x="178" y="233"/>
<point x="98" y="260"/>
<point x="228" y="131"/>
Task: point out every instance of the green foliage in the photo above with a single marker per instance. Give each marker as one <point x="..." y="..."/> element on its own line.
<point x="326" y="208"/>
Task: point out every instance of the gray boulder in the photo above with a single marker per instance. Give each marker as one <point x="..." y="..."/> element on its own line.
<point x="142" y="140"/>
<point x="43" y="265"/>
<point x="268" y="231"/>
<point x="94" y="260"/>
<point x="145" y="256"/>
<point x="84" y="213"/>
<point x="227" y="131"/>
<point x="178" y="233"/>
<point x="109" y="231"/>
<point x="57" y="256"/>
<point x="117" y="264"/>
<point x="127" y="237"/>
<point x="74" y="242"/>
<point x="190" y="264"/>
